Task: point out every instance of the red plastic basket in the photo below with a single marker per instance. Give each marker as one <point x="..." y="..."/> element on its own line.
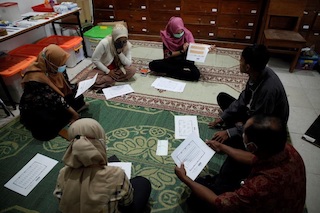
<point x="42" y="8"/>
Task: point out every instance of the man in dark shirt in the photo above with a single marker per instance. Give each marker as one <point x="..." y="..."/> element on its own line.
<point x="263" y="94"/>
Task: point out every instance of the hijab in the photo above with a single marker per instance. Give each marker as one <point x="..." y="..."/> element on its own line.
<point x="174" y="25"/>
<point x="86" y="179"/>
<point x="44" y="70"/>
<point x="118" y="31"/>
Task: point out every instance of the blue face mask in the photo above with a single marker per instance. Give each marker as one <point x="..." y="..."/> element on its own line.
<point x="62" y="68"/>
<point x="178" y="35"/>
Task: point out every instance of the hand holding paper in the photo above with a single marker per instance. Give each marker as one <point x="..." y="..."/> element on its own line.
<point x="198" y="52"/>
<point x="194" y="154"/>
<point x="85" y="85"/>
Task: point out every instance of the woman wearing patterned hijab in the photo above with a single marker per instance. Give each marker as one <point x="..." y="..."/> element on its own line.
<point x="176" y="39"/>
<point x="87" y="184"/>
<point x="47" y="103"/>
<point x="112" y="58"/>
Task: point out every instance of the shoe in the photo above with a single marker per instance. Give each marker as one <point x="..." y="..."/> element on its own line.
<point x="84" y="107"/>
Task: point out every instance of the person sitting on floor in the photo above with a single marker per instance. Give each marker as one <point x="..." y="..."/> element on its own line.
<point x="277" y="182"/>
<point x="263" y="94"/>
<point x="86" y="184"/>
<point x="47" y="103"/>
<point x="112" y="58"/>
<point x="176" y="39"/>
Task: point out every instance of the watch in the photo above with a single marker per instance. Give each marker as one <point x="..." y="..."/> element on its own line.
<point x="181" y="51"/>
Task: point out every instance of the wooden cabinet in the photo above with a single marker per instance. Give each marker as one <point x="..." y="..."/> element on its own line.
<point x="310" y="24"/>
<point x="201" y="18"/>
<point x="238" y="20"/>
<point x="103" y="10"/>
<point x="232" y="21"/>
<point x="135" y="13"/>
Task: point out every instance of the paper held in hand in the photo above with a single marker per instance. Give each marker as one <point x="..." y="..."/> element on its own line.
<point x="197" y="52"/>
<point x="194" y="153"/>
<point x="85" y="85"/>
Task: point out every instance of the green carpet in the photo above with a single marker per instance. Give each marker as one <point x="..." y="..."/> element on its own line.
<point x="132" y="133"/>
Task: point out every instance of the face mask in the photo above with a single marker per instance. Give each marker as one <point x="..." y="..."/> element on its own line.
<point x="250" y="147"/>
<point x="62" y="68"/>
<point x="178" y="35"/>
<point x="119" y="44"/>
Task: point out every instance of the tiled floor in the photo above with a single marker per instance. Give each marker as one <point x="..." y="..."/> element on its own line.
<point x="303" y="89"/>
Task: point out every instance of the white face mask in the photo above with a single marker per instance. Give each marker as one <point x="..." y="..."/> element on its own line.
<point x="250" y="147"/>
<point x="178" y="35"/>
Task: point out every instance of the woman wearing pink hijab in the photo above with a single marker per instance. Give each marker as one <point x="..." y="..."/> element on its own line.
<point x="176" y="39"/>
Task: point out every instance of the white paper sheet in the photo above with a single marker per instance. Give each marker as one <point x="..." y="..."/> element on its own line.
<point x="194" y="153"/>
<point x="185" y="125"/>
<point x="126" y="166"/>
<point x="197" y="52"/>
<point x="115" y="91"/>
<point x="85" y="85"/>
<point x="162" y="148"/>
<point x="169" y="85"/>
<point x="31" y="174"/>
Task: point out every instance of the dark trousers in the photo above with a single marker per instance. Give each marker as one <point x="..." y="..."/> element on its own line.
<point x="179" y="69"/>
<point x="231" y="172"/>
<point x="141" y="194"/>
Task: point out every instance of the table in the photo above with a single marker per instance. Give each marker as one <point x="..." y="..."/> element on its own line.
<point x="15" y="31"/>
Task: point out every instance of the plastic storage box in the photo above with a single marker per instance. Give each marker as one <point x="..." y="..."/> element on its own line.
<point x="11" y="67"/>
<point x="71" y="44"/>
<point x="307" y="62"/>
<point x="42" y="8"/>
<point x="9" y="11"/>
<point x="28" y="50"/>
<point x="93" y="36"/>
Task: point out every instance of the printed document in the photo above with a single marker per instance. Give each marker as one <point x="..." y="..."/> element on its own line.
<point x="197" y="52"/>
<point x="194" y="153"/>
<point x="85" y="85"/>
<point x="31" y="174"/>
<point x="162" y="148"/>
<point x="126" y="166"/>
<point x="116" y="91"/>
<point x="169" y="85"/>
<point x="184" y="125"/>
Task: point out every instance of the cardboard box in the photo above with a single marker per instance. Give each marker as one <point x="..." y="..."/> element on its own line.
<point x="112" y="23"/>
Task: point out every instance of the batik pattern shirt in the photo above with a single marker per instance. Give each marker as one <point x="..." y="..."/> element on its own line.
<point x="275" y="185"/>
<point x="40" y="96"/>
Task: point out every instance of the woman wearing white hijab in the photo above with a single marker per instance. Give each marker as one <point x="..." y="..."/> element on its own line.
<point x="112" y="58"/>
<point x="86" y="184"/>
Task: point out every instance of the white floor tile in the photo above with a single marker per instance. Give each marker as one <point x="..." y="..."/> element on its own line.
<point x="314" y="97"/>
<point x="300" y="119"/>
<point x="297" y="97"/>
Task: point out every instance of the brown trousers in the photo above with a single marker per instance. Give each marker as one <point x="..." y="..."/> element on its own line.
<point x="104" y="80"/>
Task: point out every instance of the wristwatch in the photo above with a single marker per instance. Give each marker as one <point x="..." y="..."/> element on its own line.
<point x="181" y="51"/>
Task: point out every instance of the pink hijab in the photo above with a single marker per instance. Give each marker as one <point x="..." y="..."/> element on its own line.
<point x="174" y="25"/>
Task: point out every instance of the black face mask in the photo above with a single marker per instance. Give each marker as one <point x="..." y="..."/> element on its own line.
<point x="119" y="44"/>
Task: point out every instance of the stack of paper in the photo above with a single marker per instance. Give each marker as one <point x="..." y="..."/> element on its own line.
<point x="169" y="85"/>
